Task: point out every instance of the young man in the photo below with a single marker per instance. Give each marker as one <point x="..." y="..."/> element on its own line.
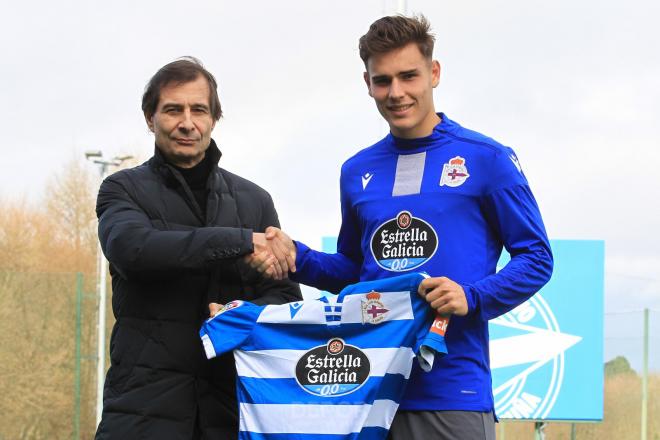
<point x="176" y="230"/>
<point x="432" y="196"/>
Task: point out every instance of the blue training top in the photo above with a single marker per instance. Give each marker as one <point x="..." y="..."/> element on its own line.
<point x="445" y="204"/>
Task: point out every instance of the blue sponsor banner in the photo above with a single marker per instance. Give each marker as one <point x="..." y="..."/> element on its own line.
<point x="547" y="354"/>
<point x="329" y="245"/>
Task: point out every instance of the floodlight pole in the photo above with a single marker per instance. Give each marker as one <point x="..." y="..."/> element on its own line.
<point x="402" y="7"/>
<point x="102" y="267"/>
<point x="395" y="7"/>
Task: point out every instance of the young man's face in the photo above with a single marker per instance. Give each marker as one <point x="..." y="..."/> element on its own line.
<point x="183" y="123"/>
<point x="401" y="82"/>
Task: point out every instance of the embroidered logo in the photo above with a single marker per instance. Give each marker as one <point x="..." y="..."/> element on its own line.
<point x="366" y="178"/>
<point x="373" y="310"/>
<point x="454" y="173"/>
<point x="403" y="243"/>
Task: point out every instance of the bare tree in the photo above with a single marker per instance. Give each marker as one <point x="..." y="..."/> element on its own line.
<point x="70" y="199"/>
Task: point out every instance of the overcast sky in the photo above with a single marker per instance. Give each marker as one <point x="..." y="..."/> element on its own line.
<point x="572" y="86"/>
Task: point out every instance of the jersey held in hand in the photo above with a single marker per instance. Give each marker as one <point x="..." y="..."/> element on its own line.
<point x="313" y="368"/>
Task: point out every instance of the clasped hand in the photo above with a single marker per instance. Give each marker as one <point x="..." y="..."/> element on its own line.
<point x="274" y="254"/>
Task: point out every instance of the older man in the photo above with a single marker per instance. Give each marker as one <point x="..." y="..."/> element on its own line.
<point x="176" y="230"/>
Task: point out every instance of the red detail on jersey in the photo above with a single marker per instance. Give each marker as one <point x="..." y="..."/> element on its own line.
<point x="440" y="324"/>
<point x="373" y="295"/>
<point x="404" y="219"/>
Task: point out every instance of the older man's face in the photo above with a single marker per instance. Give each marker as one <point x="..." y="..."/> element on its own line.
<point x="182" y="122"/>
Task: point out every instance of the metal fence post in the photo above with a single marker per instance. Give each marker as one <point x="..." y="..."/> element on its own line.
<point x="645" y="376"/>
<point x="539" y="430"/>
<point x="78" y="357"/>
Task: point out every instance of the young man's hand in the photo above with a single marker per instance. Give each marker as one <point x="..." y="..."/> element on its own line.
<point x="444" y="295"/>
<point x="283" y="247"/>
<point x="263" y="259"/>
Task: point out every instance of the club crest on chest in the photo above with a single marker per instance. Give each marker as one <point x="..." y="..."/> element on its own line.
<point x="454" y="172"/>
<point x="373" y="309"/>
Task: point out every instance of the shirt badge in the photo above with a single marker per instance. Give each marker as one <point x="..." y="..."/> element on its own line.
<point x="228" y="306"/>
<point x="373" y="310"/>
<point x="454" y="173"/>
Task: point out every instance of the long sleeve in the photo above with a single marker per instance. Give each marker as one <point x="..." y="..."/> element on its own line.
<point x="133" y="244"/>
<point x="514" y="216"/>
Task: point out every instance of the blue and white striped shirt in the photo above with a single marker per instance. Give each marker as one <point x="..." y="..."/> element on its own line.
<point x="315" y="369"/>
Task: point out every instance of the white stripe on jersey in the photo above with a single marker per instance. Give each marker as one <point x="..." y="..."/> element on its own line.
<point x="208" y="347"/>
<point x="409" y="174"/>
<point x="313" y="312"/>
<point x="310" y="312"/>
<point x="281" y="364"/>
<point x="397" y="304"/>
<point x="319" y="419"/>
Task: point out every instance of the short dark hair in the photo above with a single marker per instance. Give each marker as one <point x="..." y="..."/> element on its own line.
<point x="394" y="32"/>
<point x="181" y="71"/>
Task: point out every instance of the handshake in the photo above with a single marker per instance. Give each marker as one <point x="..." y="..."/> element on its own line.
<point x="274" y="254"/>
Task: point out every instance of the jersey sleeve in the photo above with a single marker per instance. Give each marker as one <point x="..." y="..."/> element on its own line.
<point x="333" y="272"/>
<point x="512" y="212"/>
<point x="230" y="328"/>
<point x="430" y="335"/>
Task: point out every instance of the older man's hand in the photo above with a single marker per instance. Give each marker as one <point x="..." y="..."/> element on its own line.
<point x="283" y="247"/>
<point x="274" y="254"/>
<point x="214" y="308"/>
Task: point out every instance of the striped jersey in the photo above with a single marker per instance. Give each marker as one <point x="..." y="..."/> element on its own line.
<point x="332" y="369"/>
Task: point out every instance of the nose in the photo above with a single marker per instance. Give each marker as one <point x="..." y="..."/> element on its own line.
<point x="186" y="124"/>
<point x="396" y="91"/>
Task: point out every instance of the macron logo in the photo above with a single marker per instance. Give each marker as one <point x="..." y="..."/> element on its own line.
<point x="365" y="180"/>
<point x="294" y="308"/>
<point x="514" y="159"/>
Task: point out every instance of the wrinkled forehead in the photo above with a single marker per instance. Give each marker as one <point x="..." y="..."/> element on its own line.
<point x="197" y="91"/>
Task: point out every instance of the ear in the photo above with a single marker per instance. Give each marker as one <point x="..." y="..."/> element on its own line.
<point x="435" y="73"/>
<point x="367" y="80"/>
<point x="150" y="122"/>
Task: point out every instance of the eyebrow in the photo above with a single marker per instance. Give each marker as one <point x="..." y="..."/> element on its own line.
<point x="384" y="77"/>
<point x="380" y="77"/>
<point x="170" y="105"/>
<point x="173" y="105"/>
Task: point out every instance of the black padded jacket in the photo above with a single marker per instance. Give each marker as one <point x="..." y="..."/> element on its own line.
<point x="167" y="263"/>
